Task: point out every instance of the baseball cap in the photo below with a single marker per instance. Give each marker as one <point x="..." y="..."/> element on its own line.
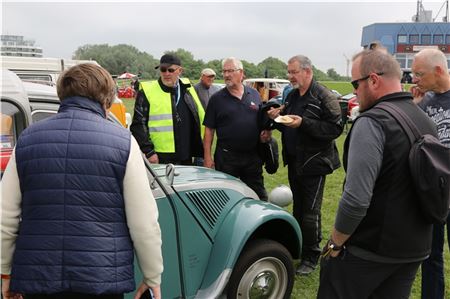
<point x="169" y="59"/>
<point x="208" y="72"/>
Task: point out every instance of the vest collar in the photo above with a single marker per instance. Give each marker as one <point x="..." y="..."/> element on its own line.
<point x="392" y="97"/>
<point x="82" y="103"/>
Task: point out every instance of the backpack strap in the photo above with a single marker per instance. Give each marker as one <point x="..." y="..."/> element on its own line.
<point x="403" y="119"/>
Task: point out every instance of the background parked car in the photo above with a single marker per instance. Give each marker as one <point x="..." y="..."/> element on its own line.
<point x="352" y="105"/>
<point x="219" y="239"/>
<point x="267" y="87"/>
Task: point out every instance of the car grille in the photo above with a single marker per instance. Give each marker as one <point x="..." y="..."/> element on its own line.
<point x="209" y="203"/>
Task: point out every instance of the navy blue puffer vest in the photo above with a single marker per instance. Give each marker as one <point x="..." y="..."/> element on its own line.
<point x="73" y="236"/>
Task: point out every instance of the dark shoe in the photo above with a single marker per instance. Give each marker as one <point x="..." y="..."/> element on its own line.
<point x="305" y="268"/>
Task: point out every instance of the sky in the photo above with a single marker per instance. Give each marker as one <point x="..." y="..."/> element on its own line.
<point x="327" y="32"/>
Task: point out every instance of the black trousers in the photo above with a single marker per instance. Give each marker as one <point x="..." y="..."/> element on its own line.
<point x="244" y="165"/>
<point x="307" y="193"/>
<point x="347" y="276"/>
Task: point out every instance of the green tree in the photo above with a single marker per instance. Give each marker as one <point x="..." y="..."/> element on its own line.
<point x="319" y="75"/>
<point x="191" y="67"/>
<point x="119" y="59"/>
<point x="335" y="76"/>
<point x="126" y="58"/>
<point x="274" y="67"/>
<point x="216" y="65"/>
<point x="251" y="70"/>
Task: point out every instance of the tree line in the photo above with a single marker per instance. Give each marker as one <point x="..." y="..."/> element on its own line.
<point x="122" y="58"/>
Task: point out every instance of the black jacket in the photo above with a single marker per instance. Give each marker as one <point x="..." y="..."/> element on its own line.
<point x="315" y="149"/>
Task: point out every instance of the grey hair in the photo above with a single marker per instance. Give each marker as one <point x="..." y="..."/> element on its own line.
<point x="433" y="58"/>
<point x="236" y="62"/>
<point x="303" y="61"/>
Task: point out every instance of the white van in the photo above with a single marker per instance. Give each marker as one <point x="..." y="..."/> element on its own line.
<point x="39" y="69"/>
<point x="23" y="103"/>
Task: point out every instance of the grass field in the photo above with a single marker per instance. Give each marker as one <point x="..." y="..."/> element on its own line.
<point x="306" y="287"/>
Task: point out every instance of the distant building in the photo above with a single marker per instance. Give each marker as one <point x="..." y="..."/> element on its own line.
<point x="403" y="40"/>
<point x="16" y="45"/>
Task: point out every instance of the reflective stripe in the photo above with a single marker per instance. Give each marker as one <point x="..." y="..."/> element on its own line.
<point x="160" y="117"/>
<point x="161" y="129"/>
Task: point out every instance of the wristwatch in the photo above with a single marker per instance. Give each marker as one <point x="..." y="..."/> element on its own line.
<point x="333" y="246"/>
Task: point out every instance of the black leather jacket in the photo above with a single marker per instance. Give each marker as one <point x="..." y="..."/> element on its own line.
<point x="316" y="152"/>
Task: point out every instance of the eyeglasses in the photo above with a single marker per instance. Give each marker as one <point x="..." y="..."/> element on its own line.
<point x="355" y="83"/>
<point x="418" y="75"/>
<point x="210" y="76"/>
<point x="165" y="69"/>
<point x="230" y="71"/>
<point x="293" y="72"/>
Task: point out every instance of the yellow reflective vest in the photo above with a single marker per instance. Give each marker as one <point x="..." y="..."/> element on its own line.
<point x="160" y="121"/>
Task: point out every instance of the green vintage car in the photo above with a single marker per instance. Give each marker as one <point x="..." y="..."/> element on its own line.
<point x="219" y="239"/>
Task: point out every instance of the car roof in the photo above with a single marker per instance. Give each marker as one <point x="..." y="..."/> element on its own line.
<point x="12" y="90"/>
<point x="266" y="80"/>
<point x="37" y="91"/>
<point x="348" y="96"/>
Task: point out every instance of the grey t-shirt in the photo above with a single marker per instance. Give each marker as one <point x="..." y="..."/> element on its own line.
<point x="437" y="106"/>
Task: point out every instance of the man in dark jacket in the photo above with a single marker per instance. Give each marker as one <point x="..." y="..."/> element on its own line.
<point x="380" y="236"/>
<point x="76" y="202"/>
<point x="309" y="151"/>
<point x="168" y="116"/>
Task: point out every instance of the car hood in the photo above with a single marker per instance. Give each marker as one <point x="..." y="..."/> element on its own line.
<point x="195" y="177"/>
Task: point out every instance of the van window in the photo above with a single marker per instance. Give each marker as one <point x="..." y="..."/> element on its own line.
<point x="12" y="124"/>
<point x="35" y="77"/>
<point x="38" y="115"/>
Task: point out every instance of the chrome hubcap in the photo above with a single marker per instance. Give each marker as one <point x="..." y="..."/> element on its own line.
<point x="266" y="279"/>
<point x="263" y="285"/>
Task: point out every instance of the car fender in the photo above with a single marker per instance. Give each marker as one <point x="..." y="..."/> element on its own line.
<point x="247" y="220"/>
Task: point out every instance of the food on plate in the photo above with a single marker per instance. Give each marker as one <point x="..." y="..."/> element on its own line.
<point x="283" y="119"/>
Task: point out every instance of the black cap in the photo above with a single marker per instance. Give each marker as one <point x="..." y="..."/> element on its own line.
<point x="169" y="59"/>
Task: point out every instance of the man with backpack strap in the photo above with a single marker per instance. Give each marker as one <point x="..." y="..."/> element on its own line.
<point x="380" y="235"/>
<point x="430" y="73"/>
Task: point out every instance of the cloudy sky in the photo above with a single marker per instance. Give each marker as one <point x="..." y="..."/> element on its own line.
<point x="250" y="30"/>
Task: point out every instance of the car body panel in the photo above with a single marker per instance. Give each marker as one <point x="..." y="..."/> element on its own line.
<point x="238" y="227"/>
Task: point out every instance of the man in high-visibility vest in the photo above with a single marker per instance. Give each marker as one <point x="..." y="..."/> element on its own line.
<point x="168" y="116"/>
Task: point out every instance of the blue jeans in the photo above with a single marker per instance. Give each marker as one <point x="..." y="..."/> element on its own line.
<point x="433" y="285"/>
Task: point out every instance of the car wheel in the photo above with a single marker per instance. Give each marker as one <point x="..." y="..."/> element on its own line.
<point x="264" y="270"/>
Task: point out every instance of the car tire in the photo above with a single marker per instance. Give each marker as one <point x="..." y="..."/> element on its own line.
<point x="264" y="270"/>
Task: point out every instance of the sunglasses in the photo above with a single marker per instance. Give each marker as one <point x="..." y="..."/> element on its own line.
<point x="355" y="83"/>
<point x="165" y="69"/>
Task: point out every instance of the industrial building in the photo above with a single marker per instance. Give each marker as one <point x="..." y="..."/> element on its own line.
<point x="403" y="40"/>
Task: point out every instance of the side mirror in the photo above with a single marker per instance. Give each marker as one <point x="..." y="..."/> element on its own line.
<point x="281" y="196"/>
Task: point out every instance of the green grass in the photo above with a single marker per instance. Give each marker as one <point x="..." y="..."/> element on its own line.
<point x="306" y="287"/>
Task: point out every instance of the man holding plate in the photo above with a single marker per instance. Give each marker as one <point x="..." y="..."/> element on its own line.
<point x="309" y="121"/>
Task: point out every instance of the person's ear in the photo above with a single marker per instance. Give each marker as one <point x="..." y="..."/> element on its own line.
<point x="438" y="70"/>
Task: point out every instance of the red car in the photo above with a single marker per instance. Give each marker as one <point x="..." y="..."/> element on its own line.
<point x="352" y="105"/>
